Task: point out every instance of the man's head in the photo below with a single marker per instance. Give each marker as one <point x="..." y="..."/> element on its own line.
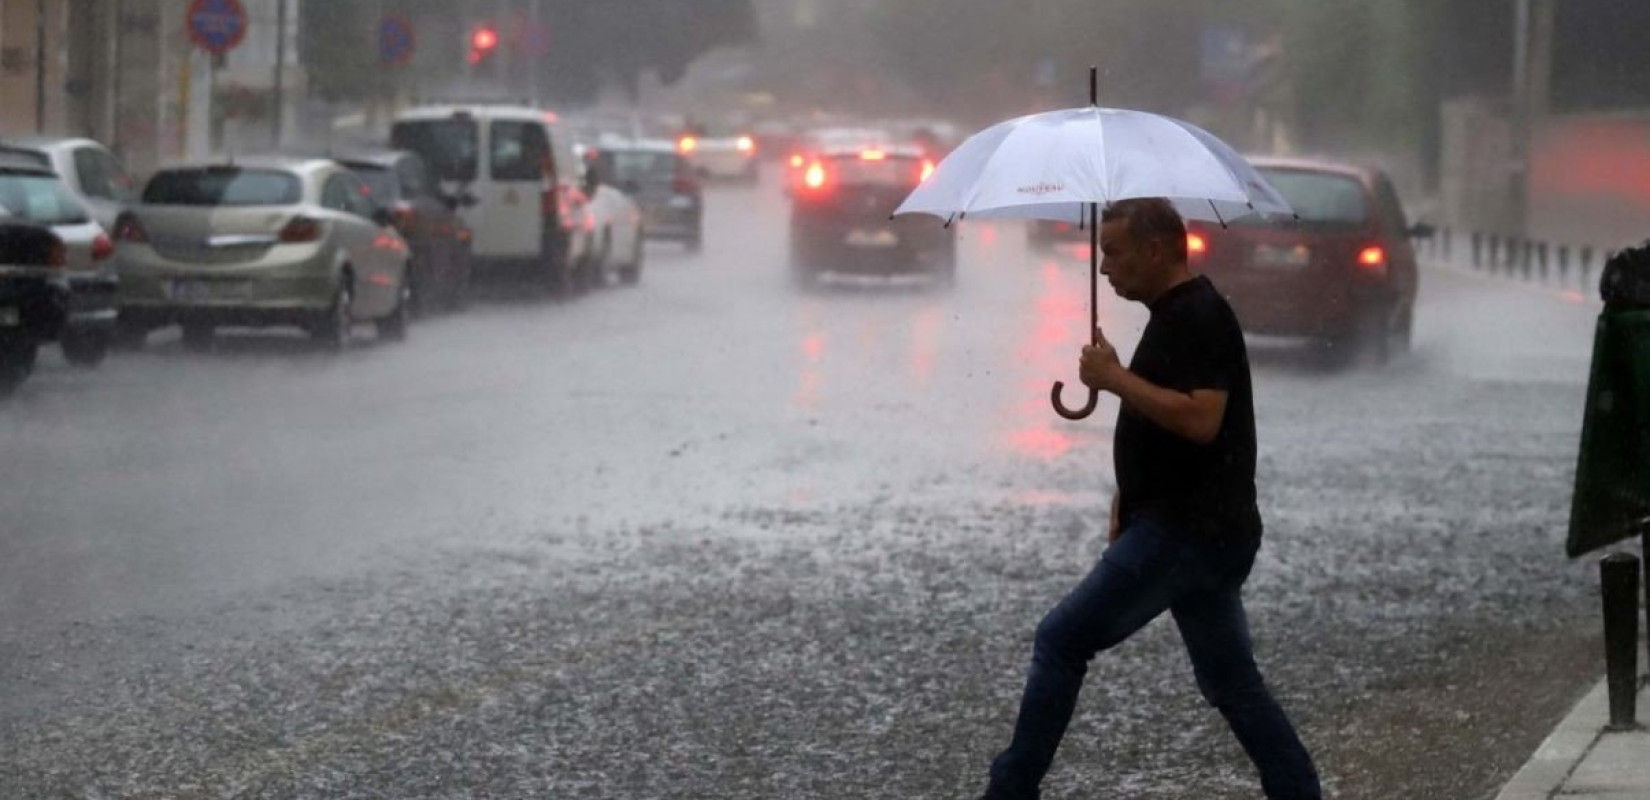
<point x="1143" y="241"/>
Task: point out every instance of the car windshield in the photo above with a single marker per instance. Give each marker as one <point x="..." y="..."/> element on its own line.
<point x="222" y="186"/>
<point x="641" y="166"/>
<point x="448" y="146"/>
<point x="39" y="198"/>
<point x="381" y="182"/>
<point x="1320" y="197"/>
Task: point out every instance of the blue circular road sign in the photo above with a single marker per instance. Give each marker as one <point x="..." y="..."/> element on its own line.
<point x="216" y="26"/>
<point x="396" y="40"/>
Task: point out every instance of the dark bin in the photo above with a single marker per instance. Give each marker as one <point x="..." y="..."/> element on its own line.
<point x="1612" y="492"/>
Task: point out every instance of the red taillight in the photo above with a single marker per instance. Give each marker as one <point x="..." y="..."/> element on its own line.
<point x="129" y="229"/>
<point x="687" y="144"/>
<point x="1196" y="245"/>
<point x="102" y="247"/>
<point x="927" y="170"/>
<point x="815" y="176"/>
<point x="301" y="230"/>
<point x="1372" y="260"/>
<point x="873" y="155"/>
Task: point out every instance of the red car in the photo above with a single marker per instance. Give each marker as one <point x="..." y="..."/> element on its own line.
<point x="1343" y="274"/>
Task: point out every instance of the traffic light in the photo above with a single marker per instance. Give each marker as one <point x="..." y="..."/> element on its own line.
<point x="484" y="42"/>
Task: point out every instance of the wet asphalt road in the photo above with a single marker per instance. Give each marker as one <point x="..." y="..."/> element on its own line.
<point x="713" y="537"/>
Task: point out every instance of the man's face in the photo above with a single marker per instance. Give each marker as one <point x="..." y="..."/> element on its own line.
<point x="1132" y="266"/>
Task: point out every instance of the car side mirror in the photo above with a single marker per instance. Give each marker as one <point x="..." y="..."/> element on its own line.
<point x="1422" y="230"/>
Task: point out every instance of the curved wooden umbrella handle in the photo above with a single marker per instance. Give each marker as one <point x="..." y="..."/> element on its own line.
<point x="1081" y="413"/>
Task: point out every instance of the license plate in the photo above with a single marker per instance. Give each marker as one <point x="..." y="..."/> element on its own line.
<point x="198" y="290"/>
<point x="10" y="317"/>
<point x="873" y="238"/>
<point x="1281" y="257"/>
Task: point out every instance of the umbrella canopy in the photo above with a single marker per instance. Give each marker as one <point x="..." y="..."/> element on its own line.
<point x="1050" y="165"/>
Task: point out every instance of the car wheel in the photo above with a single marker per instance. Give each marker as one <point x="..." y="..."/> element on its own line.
<point x="631" y="273"/>
<point x="85" y="348"/>
<point x="335" y="325"/>
<point x="17" y="357"/>
<point x="559" y="274"/>
<point x="1403" y="330"/>
<point x="197" y="336"/>
<point x="393" y="327"/>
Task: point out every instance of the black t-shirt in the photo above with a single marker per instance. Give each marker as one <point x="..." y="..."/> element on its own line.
<point x="1193" y="341"/>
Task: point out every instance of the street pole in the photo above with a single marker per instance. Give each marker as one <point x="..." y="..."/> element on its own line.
<point x="40" y="66"/>
<point x="535" y="23"/>
<point x="116" y="84"/>
<point x="1518" y="174"/>
<point x="279" y="114"/>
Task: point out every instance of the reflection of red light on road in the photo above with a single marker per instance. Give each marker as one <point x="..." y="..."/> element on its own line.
<point x="813" y="351"/>
<point x="1574" y="296"/>
<point x="1041" y="443"/>
<point x="813" y="347"/>
<point x="924" y="337"/>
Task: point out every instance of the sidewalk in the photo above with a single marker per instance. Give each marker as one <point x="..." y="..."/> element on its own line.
<point x="1582" y="760"/>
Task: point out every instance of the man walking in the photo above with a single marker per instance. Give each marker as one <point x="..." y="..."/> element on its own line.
<point x="1184" y="523"/>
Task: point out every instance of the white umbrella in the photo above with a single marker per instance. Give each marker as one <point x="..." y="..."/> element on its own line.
<point x="1064" y="165"/>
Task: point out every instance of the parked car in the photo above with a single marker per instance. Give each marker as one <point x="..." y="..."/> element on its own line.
<point x="93" y="174"/>
<point x="617" y="224"/>
<point x="33" y="298"/>
<point x="428" y="219"/>
<point x="530" y="211"/>
<point x="259" y="242"/>
<point x="35" y="193"/>
<point x="842" y="223"/>
<point x="1343" y="274"/>
<point x="663" y="184"/>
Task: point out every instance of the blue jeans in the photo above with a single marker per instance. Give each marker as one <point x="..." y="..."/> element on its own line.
<point x="1147" y="571"/>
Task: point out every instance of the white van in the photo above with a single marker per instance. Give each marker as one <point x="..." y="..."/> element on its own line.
<point x="518" y="177"/>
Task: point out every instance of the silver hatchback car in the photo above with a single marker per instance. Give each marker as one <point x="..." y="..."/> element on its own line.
<point x="258" y="242"/>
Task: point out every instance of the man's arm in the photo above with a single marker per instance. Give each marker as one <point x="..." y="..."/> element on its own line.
<point x="1195" y="416"/>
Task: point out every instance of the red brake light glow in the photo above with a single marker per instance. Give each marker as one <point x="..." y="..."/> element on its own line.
<point x="796" y="160"/>
<point x="301" y="230"/>
<point x="102" y="247"/>
<point x="1196" y="245"/>
<point x="815" y="177"/>
<point x="745" y="144"/>
<point x="927" y="169"/>
<point x="1372" y="258"/>
<point x="872" y="155"/>
<point x="687" y="144"/>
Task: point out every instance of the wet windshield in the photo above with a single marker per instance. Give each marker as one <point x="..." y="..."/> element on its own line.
<point x="222" y="187"/>
<point x="40" y="198"/>
<point x="449" y="146"/>
<point x="1320" y="198"/>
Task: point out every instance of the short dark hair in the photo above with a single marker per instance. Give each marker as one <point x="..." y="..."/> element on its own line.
<point x="1150" y="218"/>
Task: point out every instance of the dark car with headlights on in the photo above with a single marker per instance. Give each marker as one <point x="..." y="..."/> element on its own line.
<point x="34" y="297"/>
<point x="438" y="274"/>
<point x="1343" y="274"/>
<point x="842" y="224"/>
